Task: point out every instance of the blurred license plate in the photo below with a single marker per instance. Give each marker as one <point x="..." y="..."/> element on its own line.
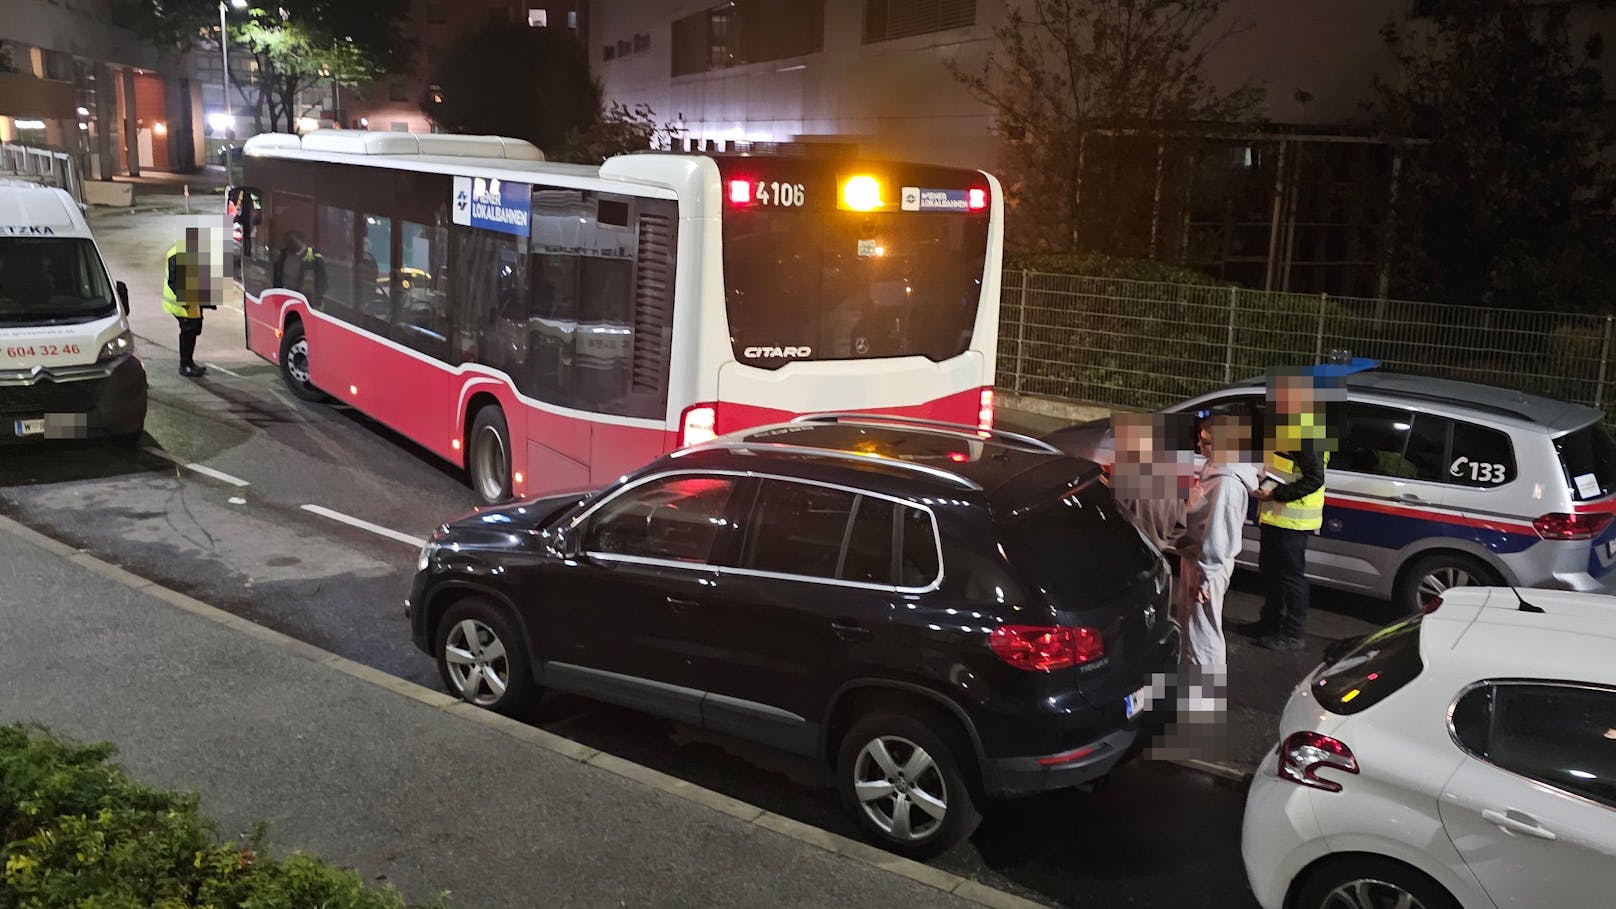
<point x="1136" y="702"/>
<point x="31" y="427"/>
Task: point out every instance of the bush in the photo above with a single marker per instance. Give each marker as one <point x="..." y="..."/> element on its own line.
<point x="75" y="831"/>
<point x="1099" y="265"/>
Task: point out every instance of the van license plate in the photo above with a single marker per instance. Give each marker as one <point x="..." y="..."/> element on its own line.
<point x="1136" y="702"/>
<point x="31" y="427"/>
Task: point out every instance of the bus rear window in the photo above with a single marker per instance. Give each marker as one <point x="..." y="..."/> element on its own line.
<point x="1588" y="456"/>
<point x="1371" y="671"/>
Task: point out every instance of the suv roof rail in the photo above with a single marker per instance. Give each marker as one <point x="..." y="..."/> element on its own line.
<point x="783" y="448"/>
<point x="960" y="428"/>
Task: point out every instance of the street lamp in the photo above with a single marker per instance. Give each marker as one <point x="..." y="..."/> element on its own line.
<point x="224" y="78"/>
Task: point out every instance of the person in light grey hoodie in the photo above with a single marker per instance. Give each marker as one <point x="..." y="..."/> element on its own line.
<point x="1212" y="538"/>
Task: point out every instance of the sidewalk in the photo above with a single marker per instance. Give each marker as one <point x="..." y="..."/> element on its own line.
<point x="403" y="784"/>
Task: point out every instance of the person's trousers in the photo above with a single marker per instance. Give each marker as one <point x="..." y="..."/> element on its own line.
<point x="189" y="329"/>
<point x="1283" y="565"/>
<point x="1205" y="654"/>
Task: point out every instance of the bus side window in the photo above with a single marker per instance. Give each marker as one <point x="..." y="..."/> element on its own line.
<point x="335" y="245"/>
<point x="373" y="274"/>
<point x="249" y="233"/>
<point x="422" y="321"/>
<point x="489" y="282"/>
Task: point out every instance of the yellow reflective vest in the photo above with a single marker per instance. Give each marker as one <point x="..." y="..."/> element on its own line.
<point x="1306" y="513"/>
<point x="171" y="301"/>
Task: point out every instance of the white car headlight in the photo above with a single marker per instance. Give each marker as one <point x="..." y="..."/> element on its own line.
<point x="124" y="343"/>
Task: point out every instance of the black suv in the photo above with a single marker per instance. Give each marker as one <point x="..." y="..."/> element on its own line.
<point x="948" y="614"/>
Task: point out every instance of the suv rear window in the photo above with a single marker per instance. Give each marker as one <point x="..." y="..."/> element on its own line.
<point x="1588" y="456"/>
<point x="1079" y="546"/>
<point x="1372" y="670"/>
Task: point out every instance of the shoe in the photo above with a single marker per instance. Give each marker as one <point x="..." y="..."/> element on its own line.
<point x="193" y="372"/>
<point x="1279" y="642"/>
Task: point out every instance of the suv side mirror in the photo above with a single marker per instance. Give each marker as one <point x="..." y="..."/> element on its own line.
<point x="123" y="297"/>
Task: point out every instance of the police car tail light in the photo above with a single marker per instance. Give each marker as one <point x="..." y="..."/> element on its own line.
<point x="699" y="423"/>
<point x="1562" y="526"/>
<point x="1304" y="754"/>
<point x="1045" y="647"/>
<point x="984" y="409"/>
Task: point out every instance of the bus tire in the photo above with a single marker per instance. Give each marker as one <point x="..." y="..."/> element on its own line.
<point x="488" y="456"/>
<point x="295" y="364"/>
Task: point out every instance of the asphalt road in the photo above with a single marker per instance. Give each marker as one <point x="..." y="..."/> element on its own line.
<point x="241" y="533"/>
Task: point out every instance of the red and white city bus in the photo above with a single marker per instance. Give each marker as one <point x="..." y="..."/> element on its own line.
<point x="551" y="326"/>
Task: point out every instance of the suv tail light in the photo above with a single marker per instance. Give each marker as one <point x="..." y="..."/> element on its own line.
<point x="699" y="423"/>
<point x="1303" y="753"/>
<point x="1582" y="526"/>
<point x="1045" y="647"/>
<point x="984" y="409"/>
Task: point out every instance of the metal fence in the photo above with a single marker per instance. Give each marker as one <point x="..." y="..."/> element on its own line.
<point x="1145" y="344"/>
<point x="50" y="166"/>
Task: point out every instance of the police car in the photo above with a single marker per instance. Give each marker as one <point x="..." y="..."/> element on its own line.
<point x="67" y="358"/>
<point x="1439" y="484"/>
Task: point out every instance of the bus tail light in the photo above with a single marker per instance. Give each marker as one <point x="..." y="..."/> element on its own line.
<point x="976" y="198"/>
<point x="984" y="409"/>
<point x="1302" y="754"/>
<point x="1561" y="526"/>
<point x="740" y="192"/>
<point x="699" y="423"/>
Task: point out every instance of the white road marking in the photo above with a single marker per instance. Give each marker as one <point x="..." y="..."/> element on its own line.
<point x="199" y="468"/>
<point x="237" y="500"/>
<point x="387" y="532"/>
<point x="223" y="370"/>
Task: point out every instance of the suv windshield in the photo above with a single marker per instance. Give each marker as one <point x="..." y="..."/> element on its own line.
<point x="51" y="279"/>
<point x="1372" y="670"/>
<point x="1079" y="546"/>
<point x="1588" y="456"/>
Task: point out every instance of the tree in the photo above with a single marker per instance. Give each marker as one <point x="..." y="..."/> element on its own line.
<point x="511" y="80"/>
<point x="1505" y="200"/>
<point x="1061" y="68"/>
<point x="618" y="131"/>
<point x="295" y="44"/>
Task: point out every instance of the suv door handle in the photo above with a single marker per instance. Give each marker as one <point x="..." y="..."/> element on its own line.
<point x="680" y="604"/>
<point x="1517" y="822"/>
<point x="848" y="630"/>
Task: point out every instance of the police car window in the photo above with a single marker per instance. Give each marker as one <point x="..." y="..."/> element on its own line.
<point x="1479" y="457"/>
<point x="1428" y="447"/>
<point x="1373" y="440"/>
<point x="1557" y="734"/>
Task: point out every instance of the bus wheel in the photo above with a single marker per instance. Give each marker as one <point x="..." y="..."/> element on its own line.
<point x="488" y="456"/>
<point x="295" y="364"/>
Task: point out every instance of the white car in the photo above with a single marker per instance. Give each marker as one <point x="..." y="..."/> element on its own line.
<point x="1461" y="758"/>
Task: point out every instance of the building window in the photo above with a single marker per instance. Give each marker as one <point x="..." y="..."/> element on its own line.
<point x="434" y="14"/>
<point x="572" y="19"/>
<point x="538" y="18"/>
<point x="608" y="51"/>
<point x="745" y="31"/>
<point x="624" y="48"/>
<point x="400" y="126"/>
<point x="436" y="93"/>
<point x="397" y="92"/>
<point x="888" y="19"/>
<point x="642" y="43"/>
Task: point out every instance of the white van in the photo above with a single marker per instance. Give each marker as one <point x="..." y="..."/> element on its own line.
<point x="68" y="368"/>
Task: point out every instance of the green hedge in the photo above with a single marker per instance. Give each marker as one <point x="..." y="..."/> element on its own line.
<point x="75" y="831"/>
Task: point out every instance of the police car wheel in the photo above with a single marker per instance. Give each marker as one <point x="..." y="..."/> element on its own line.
<point x="295" y="364"/>
<point x="488" y="456"/>
<point x="1428" y="576"/>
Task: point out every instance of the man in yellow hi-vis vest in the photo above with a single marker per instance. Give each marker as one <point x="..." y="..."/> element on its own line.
<point x="1290" y="507"/>
<point x="183" y="293"/>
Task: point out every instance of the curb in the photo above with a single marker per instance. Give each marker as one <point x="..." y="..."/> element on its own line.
<point x="854" y="850"/>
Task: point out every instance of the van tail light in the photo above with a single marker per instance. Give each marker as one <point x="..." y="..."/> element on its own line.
<point x="1044" y="647"/>
<point x="1303" y="754"/>
<point x="698" y="424"/>
<point x="984" y="409"/>
<point x="1562" y="526"/>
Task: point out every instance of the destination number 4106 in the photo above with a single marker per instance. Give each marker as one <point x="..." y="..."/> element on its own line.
<point x="782" y="194"/>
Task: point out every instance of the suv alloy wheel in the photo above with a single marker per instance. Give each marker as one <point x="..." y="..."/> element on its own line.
<point x="904" y="784"/>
